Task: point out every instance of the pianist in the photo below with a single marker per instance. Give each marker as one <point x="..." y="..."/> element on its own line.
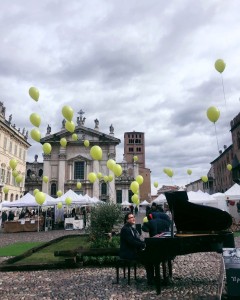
<point x="132" y="246"/>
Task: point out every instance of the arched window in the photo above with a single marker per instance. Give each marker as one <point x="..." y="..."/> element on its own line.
<point x="29" y="172"/>
<point x="40" y="172"/>
<point x="11" y="198"/>
<point x="104" y="189"/>
<point x="53" y="189"/>
<point x="16" y="197"/>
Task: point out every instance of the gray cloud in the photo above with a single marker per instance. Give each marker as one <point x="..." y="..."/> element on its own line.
<point x="139" y="65"/>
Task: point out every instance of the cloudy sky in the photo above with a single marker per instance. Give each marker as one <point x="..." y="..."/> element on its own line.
<point x="140" y="65"/>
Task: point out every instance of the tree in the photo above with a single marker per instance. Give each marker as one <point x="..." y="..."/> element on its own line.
<point x="103" y="218"/>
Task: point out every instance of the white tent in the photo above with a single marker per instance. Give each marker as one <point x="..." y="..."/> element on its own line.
<point x="76" y="199"/>
<point x="126" y="203"/>
<point x="233" y="193"/>
<point x="198" y="197"/>
<point x="160" y="199"/>
<point x="27" y="200"/>
<point x="144" y="203"/>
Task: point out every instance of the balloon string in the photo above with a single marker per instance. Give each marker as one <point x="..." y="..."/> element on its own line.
<point x="224" y="92"/>
<point x="216" y="136"/>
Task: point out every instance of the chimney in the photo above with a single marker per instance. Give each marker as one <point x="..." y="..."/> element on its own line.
<point x="225" y="147"/>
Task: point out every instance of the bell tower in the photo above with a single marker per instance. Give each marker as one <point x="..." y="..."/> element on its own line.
<point x="134" y="145"/>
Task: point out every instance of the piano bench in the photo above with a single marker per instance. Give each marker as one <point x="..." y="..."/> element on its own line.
<point x="126" y="263"/>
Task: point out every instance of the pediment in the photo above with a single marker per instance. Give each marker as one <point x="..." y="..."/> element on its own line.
<point x="83" y="133"/>
<point x="80" y="158"/>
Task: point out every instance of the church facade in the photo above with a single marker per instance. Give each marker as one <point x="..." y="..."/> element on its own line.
<point x="66" y="166"/>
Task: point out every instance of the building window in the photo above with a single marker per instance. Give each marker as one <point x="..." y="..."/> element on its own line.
<point x="2" y="176"/>
<point x="103" y="188"/>
<point x="79" y="170"/>
<point x="130" y="149"/>
<point x="138" y="149"/>
<point x="119" y="196"/>
<point x="15" y="150"/>
<point x="20" y="152"/>
<point x="5" y="143"/>
<point x="40" y="173"/>
<point x="10" y="147"/>
<point x="8" y="177"/>
<point x="53" y="189"/>
<point x="130" y="194"/>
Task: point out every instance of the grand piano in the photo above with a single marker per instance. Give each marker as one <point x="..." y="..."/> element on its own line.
<point x="198" y="229"/>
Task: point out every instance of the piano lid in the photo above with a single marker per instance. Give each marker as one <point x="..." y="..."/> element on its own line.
<point x="192" y="217"/>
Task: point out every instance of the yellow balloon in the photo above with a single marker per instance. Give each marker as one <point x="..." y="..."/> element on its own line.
<point x="63" y="142"/>
<point x="134" y="187"/>
<point x="92" y="177"/>
<point x="40" y="198"/>
<point x="35" y="192"/>
<point x="34" y="93"/>
<point x="110" y="164"/>
<point x="19" y="178"/>
<point x="99" y="175"/>
<point x="170" y="172"/>
<point x="105" y="178"/>
<point x="5" y="190"/>
<point x="117" y="170"/>
<point x="59" y="193"/>
<point x="139" y="179"/>
<point x="47" y="148"/>
<point x="67" y="112"/>
<point x="229" y="167"/>
<point x="45" y="179"/>
<point x="165" y="170"/>
<point x="145" y="220"/>
<point x="74" y="137"/>
<point x="35" y="119"/>
<point x="135" y="158"/>
<point x="13" y="163"/>
<point x="189" y="172"/>
<point x="155" y="184"/>
<point x="110" y="178"/>
<point x="70" y="126"/>
<point x="15" y="173"/>
<point x="35" y="134"/>
<point x="79" y="185"/>
<point x="220" y="65"/>
<point x="86" y="143"/>
<point x="135" y="198"/>
<point x="213" y="114"/>
<point x="59" y="205"/>
<point x="68" y="200"/>
<point x="204" y="178"/>
<point x="96" y="153"/>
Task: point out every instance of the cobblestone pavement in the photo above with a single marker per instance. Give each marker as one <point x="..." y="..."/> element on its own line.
<point x="195" y="276"/>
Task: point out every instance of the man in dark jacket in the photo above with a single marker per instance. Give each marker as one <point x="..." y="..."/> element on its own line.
<point x="130" y="241"/>
<point x="132" y="246"/>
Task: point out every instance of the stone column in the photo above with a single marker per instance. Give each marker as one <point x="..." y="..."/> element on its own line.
<point x="61" y="169"/>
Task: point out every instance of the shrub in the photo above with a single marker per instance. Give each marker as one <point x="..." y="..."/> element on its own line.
<point x="103" y="218"/>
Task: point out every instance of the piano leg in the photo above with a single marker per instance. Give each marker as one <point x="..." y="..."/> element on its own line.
<point x="170" y="268"/>
<point x="158" y="278"/>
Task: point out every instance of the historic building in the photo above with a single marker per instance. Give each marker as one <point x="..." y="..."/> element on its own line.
<point x="13" y="145"/>
<point x="67" y="165"/>
<point x="134" y="153"/>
